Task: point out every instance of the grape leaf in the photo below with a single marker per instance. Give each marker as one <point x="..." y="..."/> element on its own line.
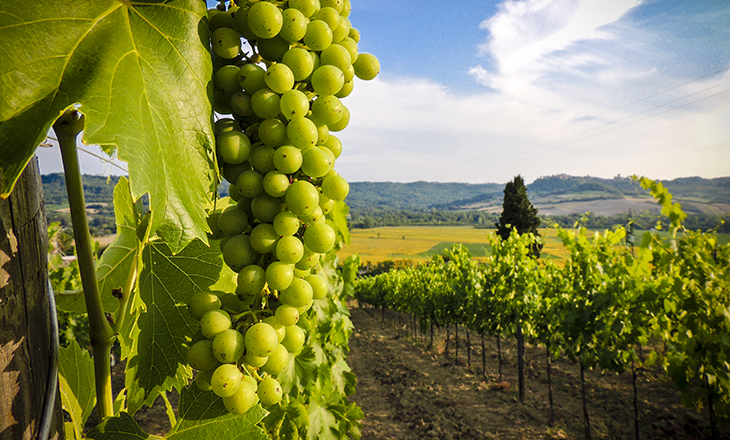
<point x="76" y="375"/>
<point x="167" y="280"/>
<point x="121" y="427"/>
<point x="203" y="416"/>
<point x="321" y="423"/>
<point x="139" y="72"/>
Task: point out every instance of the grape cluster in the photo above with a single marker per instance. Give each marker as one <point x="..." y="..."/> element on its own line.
<point x="281" y="70"/>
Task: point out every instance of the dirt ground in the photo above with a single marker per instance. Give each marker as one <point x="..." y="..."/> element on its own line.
<point x="410" y="392"/>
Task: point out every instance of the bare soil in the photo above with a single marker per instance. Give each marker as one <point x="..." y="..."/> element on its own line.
<point x="409" y="391"/>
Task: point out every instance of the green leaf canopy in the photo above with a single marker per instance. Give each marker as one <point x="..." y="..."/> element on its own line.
<point x="139" y="72"/>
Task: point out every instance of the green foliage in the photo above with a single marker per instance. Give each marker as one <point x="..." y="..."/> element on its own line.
<point x="76" y="372"/>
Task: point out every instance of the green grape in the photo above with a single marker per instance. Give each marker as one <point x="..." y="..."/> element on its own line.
<point x="276" y="183"/>
<point x="315" y="163"/>
<point x="336" y="4"/>
<point x="250" y="183"/>
<point x="200" y="356"/>
<point x="233" y="221"/>
<point x="264" y="238"/>
<point x="265" y="208"/>
<point x="354" y="34"/>
<point x="201" y="302"/>
<point x="264" y="19"/>
<point x="327" y="80"/>
<point x="294" y="339"/>
<point x="279" y="78"/>
<point x="306" y="7"/>
<point x="300" y="62"/>
<point x="220" y="20"/>
<point x="225" y="380"/>
<point x="318" y="36"/>
<point x="269" y="391"/>
<point x="346" y="8"/>
<point x="225" y="81"/>
<point x="327" y="109"/>
<point x="349" y="74"/>
<point x="315" y="217"/>
<point x="231" y="172"/>
<point x="241" y="103"/>
<point x="345" y="90"/>
<point x="349" y="44"/>
<point x="213" y="322"/>
<point x="303" y="309"/>
<point x="289" y="249"/>
<point x="302" y="133"/>
<point x="233" y="147"/>
<point x="279" y="275"/>
<point x="323" y="133"/>
<point x="343" y="122"/>
<point x="341" y="31"/>
<point x="231" y="301"/>
<point x="329" y="15"/>
<point x="319" y="237"/>
<point x="302" y="197"/>
<point x="254" y="361"/>
<point x="298" y="294"/>
<point x="272" y="132"/>
<point x="262" y="159"/>
<point x="261" y="339"/>
<point x="320" y="286"/>
<point x="280" y="330"/>
<point x="265" y="103"/>
<point x="335" y="187"/>
<point x="278" y="360"/>
<point x="226" y="42"/>
<point x="294" y="25"/>
<point x="273" y="49"/>
<point x="212" y="220"/>
<point x="286" y="316"/>
<point x="309" y="260"/>
<point x="251" y="78"/>
<point x="288" y="159"/>
<point x="286" y="223"/>
<point x="326" y="204"/>
<point x="228" y="346"/>
<point x="242" y="400"/>
<point x="251" y="280"/>
<point x="223" y="125"/>
<point x="233" y="194"/>
<point x="366" y="66"/>
<point x="334" y="144"/>
<point x="202" y="380"/>
<point x="294" y="104"/>
<point x="238" y="253"/>
<point x="240" y="23"/>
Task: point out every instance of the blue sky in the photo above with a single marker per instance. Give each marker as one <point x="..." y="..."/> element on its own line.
<point x="480" y="91"/>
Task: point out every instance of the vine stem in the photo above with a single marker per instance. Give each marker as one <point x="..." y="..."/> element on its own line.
<point x="67" y="128"/>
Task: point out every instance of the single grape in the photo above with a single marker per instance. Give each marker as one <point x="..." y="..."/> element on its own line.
<point x="202" y="380"/>
<point x="201" y="302"/>
<point x="302" y="197"/>
<point x="366" y="66"/>
<point x="261" y="339"/>
<point x="294" y="25"/>
<point x="316" y="163"/>
<point x="264" y="19"/>
<point x="329" y="15"/>
<point x="213" y="322"/>
<point x="212" y="220"/>
<point x="298" y="294"/>
<point x="241" y="103"/>
<point x="343" y="122"/>
<point x="278" y="360"/>
<point x="250" y="183"/>
<point x="309" y="260"/>
<point x="265" y="103"/>
<point x="233" y="147"/>
<point x="326" y="204"/>
<point x="286" y="315"/>
<point x="288" y="159"/>
<point x="279" y="78"/>
<point x="335" y="187"/>
<point x="294" y="339"/>
<point x="319" y="237"/>
<point x="327" y="109"/>
<point x="200" y="356"/>
<point x="346" y="89"/>
<point x="251" y="78"/>
<point x="286" y="223"/>
<point x="238" y="253"/>
<point x="323" y="133"/>
<point x="242" y="400"/>
<point x="228" y="346"/>
<point x="225" y="81"/>
<point x="327" y="80"/>
<point x="320" y="286"/>
<point x="269" y="391"/>
<point x="302" y="133"/>
<point x="276" y="183"/>
<point x="225" y="380"/>
<point x="306" y="7"/>
<point x="264" y="238"/>
<point x="251" y="280"/>
<point x="294" y="104"/>
<point x="349" y="44"/>
<point x="354" y="34"/>
<point x="318" y="35"/>
<point x="232" y="221"/>
<point x="226" y="42"/>
<point x="341" y="31"/>
<point x="272" y="132"/>
<point x="334" y="144"/>
<point x="317" y="216"/>
<point x="262" y="159"/>
<point x="273" y="49"/>
<point x="289" y="249"/>
<point x="279" y="275"/>
<point x="265" y="207"/>
<point x="300" y="62"/>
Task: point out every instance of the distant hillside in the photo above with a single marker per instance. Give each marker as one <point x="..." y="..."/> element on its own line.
<point x="415" y="196"/>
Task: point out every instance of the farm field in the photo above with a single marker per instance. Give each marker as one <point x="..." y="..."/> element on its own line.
<point x="421" y="242"/>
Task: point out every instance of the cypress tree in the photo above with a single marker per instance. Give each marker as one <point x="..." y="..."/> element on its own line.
<point x="518" y="212"/>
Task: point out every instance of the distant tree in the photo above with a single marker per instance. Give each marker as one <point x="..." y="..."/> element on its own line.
<point x="518" y="212"/>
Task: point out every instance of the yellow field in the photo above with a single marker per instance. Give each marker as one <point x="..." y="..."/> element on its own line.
<point x="420" y="242"/>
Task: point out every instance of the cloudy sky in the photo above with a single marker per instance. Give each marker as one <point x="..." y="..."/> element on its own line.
<point x="480" y="90"/>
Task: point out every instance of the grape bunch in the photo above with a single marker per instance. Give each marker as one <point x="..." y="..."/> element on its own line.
<point x="281" y="71"/>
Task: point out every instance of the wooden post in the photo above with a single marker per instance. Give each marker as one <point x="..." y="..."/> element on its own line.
<point x="25" y="320"/>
